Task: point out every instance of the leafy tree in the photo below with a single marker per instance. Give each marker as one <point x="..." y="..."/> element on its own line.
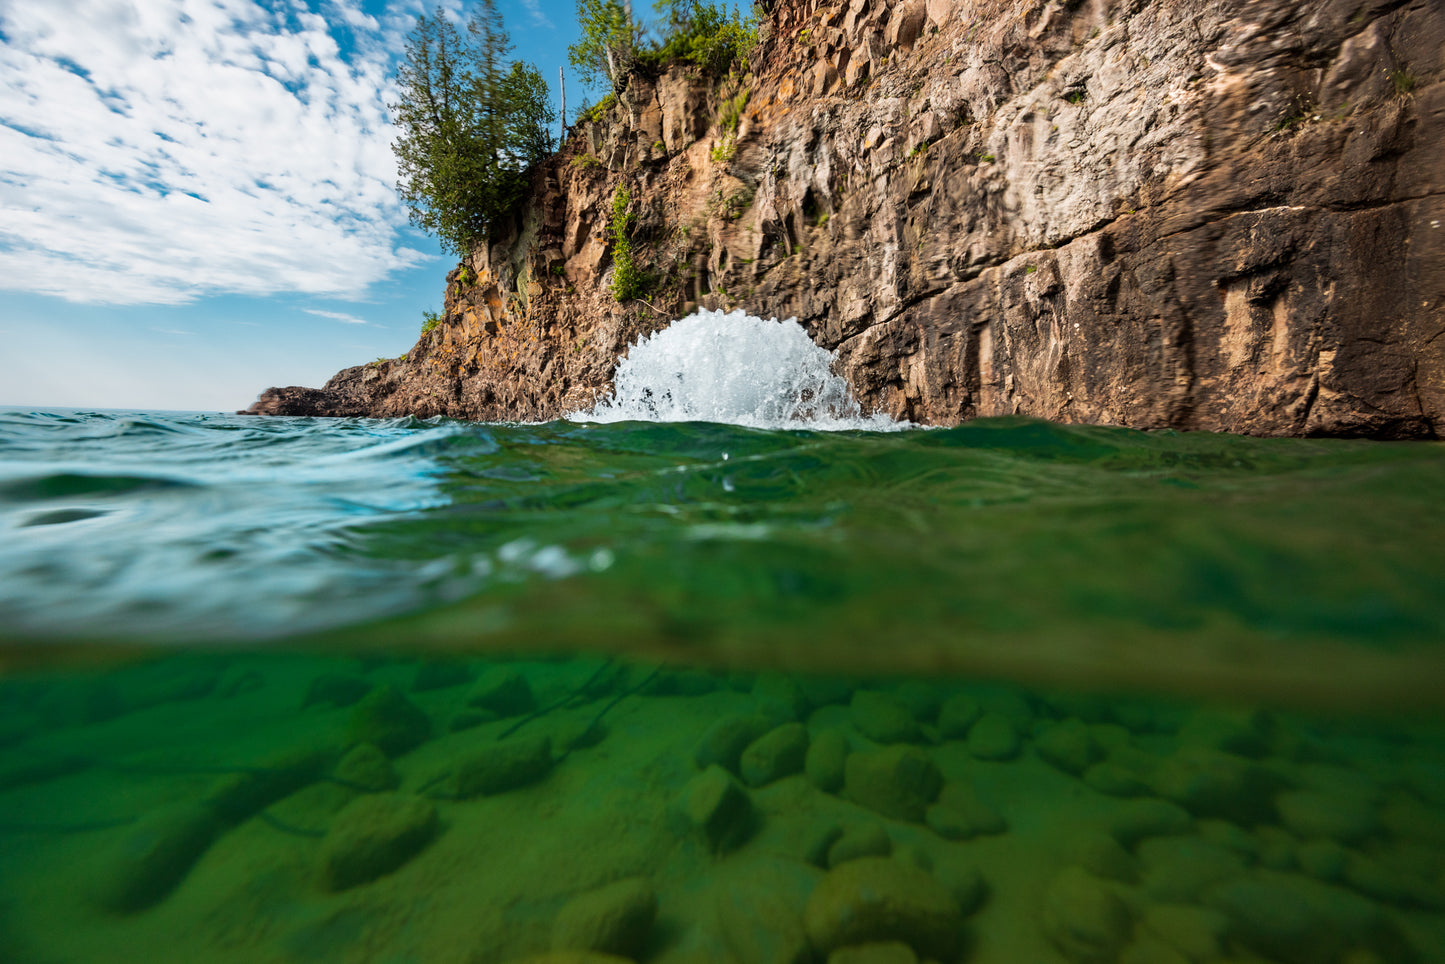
<point x="708" y="36"/>
<point x="609" y="41"/>
<point x="471" y="124"/>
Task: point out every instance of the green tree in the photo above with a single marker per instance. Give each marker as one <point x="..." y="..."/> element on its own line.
<point x="471" y="123"/>
<point x="706" y="35"/>
<point x="609" y="41"/>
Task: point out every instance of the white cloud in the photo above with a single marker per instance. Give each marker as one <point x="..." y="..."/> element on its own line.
<point x="158" y="152"/>
<point x="337" y="316"/>
<point x="535" y="14"/>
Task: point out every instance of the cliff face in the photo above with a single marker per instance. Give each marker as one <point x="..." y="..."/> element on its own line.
<point x="1225" y="216"/>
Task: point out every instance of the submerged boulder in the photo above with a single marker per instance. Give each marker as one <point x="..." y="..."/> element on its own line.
<point x="616" y="919"/>
<point x="877" y="899"/>
<point x="154" y="856"/>
<point x="389" y="720"/>
<point x="899" y="781"/>
<point x="373" y="836"/>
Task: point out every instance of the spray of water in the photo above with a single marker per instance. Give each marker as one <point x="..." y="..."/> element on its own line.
<point x="734" y="368"/>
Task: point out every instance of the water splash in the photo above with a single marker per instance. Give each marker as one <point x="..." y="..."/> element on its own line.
<point x="733" y="368"/>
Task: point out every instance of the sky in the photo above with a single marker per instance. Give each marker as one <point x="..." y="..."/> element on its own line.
<point x="197" y="197"/>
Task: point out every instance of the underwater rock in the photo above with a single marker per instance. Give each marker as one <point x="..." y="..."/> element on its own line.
<point x="1012" y="704"/>
<point x="760" y="913"/>
<point x="993" y="737"/>
<point x="898" y="781"/>
<point x="504" y="691"/>
<point x="717" y="808"/>
<point x="922" y="698"/>
<point x="780" y="698"/>
<point x="1140" y="819"/>
<point x="615" y="919"/>
<point x="1346" y="817"/>
<point x="154" y="856"/>
<point x="888" y="952"/>
<point x="1276" y="848"/>
<point x="470" y="718"/>
<point x="331" y="689"/>
<point x="818" y="841"/>
<point x="681" y="682"/>
<point x="373" y="836"/>
<point x="957" y="715"/>
<point x="1244" y="732"/>
<point x="1394" y="884"/>
<point x="1084" y="918"/>
<point x="863" y="840"/>
<point x="962" y="880"/>
<point x="1297" y="920"/>
<point x="1322" y="859"/>
<point x="1148" y="949"/>
<point x="960" y="814"/>
<point x="825" y="759"/>
<point x="883" y="719"/>
<point x="1068" y="745"/>
<point x="389" y="720"/>
<point x="1103" y="856"/>
<point x="1179" y="869"/>
<point x="1210" y="783"/>
<point x="724" y="742"/>
<point x="366" y="768"/>
<point x="876" y="899"/>
<point x="1118" y="778"/>
<point x="1196" y="932"/>
<point x="774" y="755"/>
<point x="441" y="674"/>
<point x="501" y="766"/>
<point x="825" y="691"/>
<point x="572" y="957"/>
<point x="236" y="796"/>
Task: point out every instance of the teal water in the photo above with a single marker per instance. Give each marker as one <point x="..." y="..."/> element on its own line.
<point x="1074" y="693"/>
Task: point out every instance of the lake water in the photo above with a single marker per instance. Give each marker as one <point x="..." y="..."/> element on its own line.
<point x="426" y="691"/>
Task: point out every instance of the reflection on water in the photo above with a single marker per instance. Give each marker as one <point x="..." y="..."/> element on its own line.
<point x="289" y="808"/>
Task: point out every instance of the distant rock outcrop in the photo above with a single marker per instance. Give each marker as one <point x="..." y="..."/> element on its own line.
<point x="1152" y="213"/>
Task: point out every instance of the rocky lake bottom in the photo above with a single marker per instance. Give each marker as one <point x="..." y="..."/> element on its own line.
<point x="293" y="808"/>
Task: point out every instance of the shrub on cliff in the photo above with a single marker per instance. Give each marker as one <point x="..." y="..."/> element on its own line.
<point x="471" y="125"/>
<point x="705" y="35"/>
<point x="627" y="280"/>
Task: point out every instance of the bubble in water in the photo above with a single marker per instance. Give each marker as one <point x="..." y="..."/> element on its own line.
<point x="734" y="368"/>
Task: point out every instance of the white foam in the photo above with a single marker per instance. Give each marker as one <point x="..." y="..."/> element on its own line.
<point x="733" y="368"/>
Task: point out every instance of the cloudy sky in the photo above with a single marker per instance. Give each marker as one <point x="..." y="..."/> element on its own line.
<point x="197" y="197"/>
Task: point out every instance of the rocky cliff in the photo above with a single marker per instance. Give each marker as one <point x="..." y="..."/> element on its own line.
<point x="1225" y="216"/>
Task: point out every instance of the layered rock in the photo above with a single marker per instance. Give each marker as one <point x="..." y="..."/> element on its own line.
<point x="1138" y="212"/>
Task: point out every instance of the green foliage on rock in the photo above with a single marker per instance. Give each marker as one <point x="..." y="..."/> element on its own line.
<point x="626" y="277"/>
<point x="471" y="124"/>
<point x="708" y="36"/>
<point x="429" y="321"/>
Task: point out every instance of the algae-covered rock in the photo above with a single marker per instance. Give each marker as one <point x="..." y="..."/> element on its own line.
<point x="884" y="718"/>
<point x="469" y="718"/>
<point x="1140" y="819"/>
<point x="389" y="720"/>
<point x="1084" y="918"/>
<point x="957" y="715"/>
<point x="716" y="807"/>
<point x="760" y="913"/>
<point x="774" y="755"/>
<point x="1103" y="856"/>
<point x="1209" y="783"/>
<point x="780" y="698"/>
<point x="1345" y="817"/>
<point x="335" y="690"/>
<point x="615" y="919"/>
<point x="440" y="675"/>
<point x="898" y="781"/>
<point x="1198" y="933"/>
<point x="825" y="758"/>
<point x="154" y="856"/>
<point x="366" y="768"/>
<point x="572" y="957"/>
<point x="1322" y="859"/>
<point x="236" y="796"/>
<point x="888" y="952"/>
<point x="724" y="742"/>
<point x="856" y="842"/>
<point x="1179" y="869"/>
<point x="1297" y="920"/>
<point x="504" y="691"/>
<point x="994" y="737"/>
<point x="502" y="766"/>
<point x="818" y="840"/>
<point x="876" y="900"/>
<point x="961" y="814"/>
<point x="373" y="836"/>
<point x="1068" y="745"/>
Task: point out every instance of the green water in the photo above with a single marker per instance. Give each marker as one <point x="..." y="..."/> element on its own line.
<point x="698" y="693"/>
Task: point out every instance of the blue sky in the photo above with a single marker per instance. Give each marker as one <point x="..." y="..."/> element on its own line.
<point x="197" y="196"/>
